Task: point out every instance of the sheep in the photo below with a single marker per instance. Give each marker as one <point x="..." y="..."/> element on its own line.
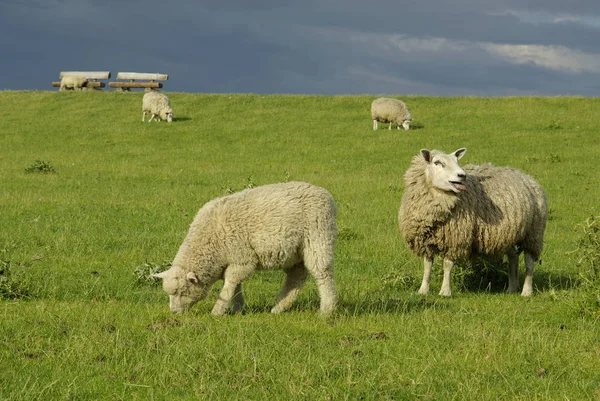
<point x="392" y="111"/>
<point x="463" y="213"/>
<point x="158" y="105"/>
<point x="288" y="226"/>
<point x="72" y="82"/>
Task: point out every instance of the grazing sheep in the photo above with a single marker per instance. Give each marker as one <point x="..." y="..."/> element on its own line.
<point x="289" y="226"/>
<point x="390" y="111"/>
<point x="72" y="82"/>
<point x="158" y="105"/>
<point x="463" y="213"/>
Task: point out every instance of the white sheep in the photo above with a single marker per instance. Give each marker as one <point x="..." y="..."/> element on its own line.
<point x="388" y="110"/>
<point x="72" y="82"/>
<point x="158" y="105"/>
<point x="288" y="226"/>
<point x="476" y="211"/>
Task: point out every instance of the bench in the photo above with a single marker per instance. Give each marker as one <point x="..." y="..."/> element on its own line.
<point x="92" y="76"/>
<point x="133" y="81"/>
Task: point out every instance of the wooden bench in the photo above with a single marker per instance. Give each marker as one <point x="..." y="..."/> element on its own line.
<point x="92" y="76"/>
<point x="134" y="78"/>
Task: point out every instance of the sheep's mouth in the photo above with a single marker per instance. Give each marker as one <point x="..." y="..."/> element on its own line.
<point x="458" y="185"/>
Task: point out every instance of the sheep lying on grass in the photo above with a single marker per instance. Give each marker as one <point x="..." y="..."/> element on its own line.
<point x="390" y="111"/>
<point x="288" y="226"/>
<point x="72" y="82"/>
<point x="463" y="213"/>
<point x="158" y="105"/>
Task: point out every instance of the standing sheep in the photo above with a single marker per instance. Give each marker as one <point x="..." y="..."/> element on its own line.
<point x="72" y="82"/>
<point x="289" y="226"/>
<point x="158" y="105"/>
<point x="388" y="110"/>
<point x="481" y="210"/>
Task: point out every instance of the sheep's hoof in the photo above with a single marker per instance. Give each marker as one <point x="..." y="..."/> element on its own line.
<point x="445" y="293"/>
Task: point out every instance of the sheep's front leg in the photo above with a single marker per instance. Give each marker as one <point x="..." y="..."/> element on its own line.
<point x="446" y="291"/>
<point x="233" y="277"/>
<point x="528" y="284"/>
<point x="294" y="280"/>
<point x="513" y="270"/>
<point x="427" y="265"/>
<point x="375" y="125"/>
<point x="390" y="127"/>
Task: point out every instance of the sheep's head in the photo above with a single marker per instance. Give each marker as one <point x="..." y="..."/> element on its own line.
<point x="443" y="171"/>
<point x="167" y="115"/>
<point x="406" y="124"/>
<point x="184" y="289"/>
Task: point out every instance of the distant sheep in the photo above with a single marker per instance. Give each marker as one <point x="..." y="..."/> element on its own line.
<point x="73" y="82"/>
<point x="289" y="226"/>
<point x="158" y="105"/>
<point x="391" y="111"/>
<point x="463" y="213"/>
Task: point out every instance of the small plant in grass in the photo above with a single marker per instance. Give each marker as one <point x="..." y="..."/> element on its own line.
<point x="41" y="167"/>
<point x="397" y="280"/>
<point x="11" y="287"/>
<point x="553" y="158"/>
<point x="588" y="250"/>
<point x="144" y="273"/>
<point x="554" y="125"/>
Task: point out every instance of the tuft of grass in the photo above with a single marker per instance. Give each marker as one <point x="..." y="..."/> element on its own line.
<point x="41" y="167"/>
<point x="12" y="287"/>
<point x="588" y="251"/>
<point x="554" y="125"/>
<point x="143" y="273"/>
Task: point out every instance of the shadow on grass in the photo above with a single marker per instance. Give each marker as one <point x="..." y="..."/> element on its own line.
<point x="181" y="119"/>
<point x="492" y="277"/>
<point x="375" y="305"/>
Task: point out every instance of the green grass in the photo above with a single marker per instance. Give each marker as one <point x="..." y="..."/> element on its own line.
<point x="92" y="199"/>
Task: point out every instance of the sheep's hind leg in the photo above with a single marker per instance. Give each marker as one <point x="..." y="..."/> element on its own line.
<point x="446" y="291"/>
<point x="375" y="125"/>
<point x="427" y="265"/>
<point x="233" y="277"/>
<point x="294" y="280"/>
<point x="319" y="262"/>
<point x="513" y="270"/>
<point x="143" y="116"/>
<point x="528" y="284"/>
<point x="238" y="299"/>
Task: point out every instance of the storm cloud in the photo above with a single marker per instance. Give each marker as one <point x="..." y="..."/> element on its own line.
<point x="466" y="47"/>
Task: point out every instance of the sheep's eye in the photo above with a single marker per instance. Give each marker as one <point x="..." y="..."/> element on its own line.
<point x="438" y="163"/>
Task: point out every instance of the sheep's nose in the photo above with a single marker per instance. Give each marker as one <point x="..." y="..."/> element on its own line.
<point x="462" y="175"/>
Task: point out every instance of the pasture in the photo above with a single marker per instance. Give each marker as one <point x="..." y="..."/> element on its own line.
<point x="92" y="200"/>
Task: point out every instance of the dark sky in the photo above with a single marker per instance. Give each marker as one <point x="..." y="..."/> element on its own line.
<point x="438" y="47"/>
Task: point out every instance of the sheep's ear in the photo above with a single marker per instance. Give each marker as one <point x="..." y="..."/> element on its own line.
<point x="161" y="275"/>
<point x="192" y="278"/>
<point x="460" y="153"/>
<point x="426" y="155"/>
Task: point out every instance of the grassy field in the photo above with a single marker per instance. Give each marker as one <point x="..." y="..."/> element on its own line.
<point x="92" y="199"/>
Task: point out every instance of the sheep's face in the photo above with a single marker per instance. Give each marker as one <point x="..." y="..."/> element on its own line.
<point x="167" y="116"/>
<point x="184" y="289"/>
<point x="406" y="124"/>
<point x="443" y="171"/>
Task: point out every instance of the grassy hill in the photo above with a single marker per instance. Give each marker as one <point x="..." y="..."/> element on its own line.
<point x="93" y="199"/>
